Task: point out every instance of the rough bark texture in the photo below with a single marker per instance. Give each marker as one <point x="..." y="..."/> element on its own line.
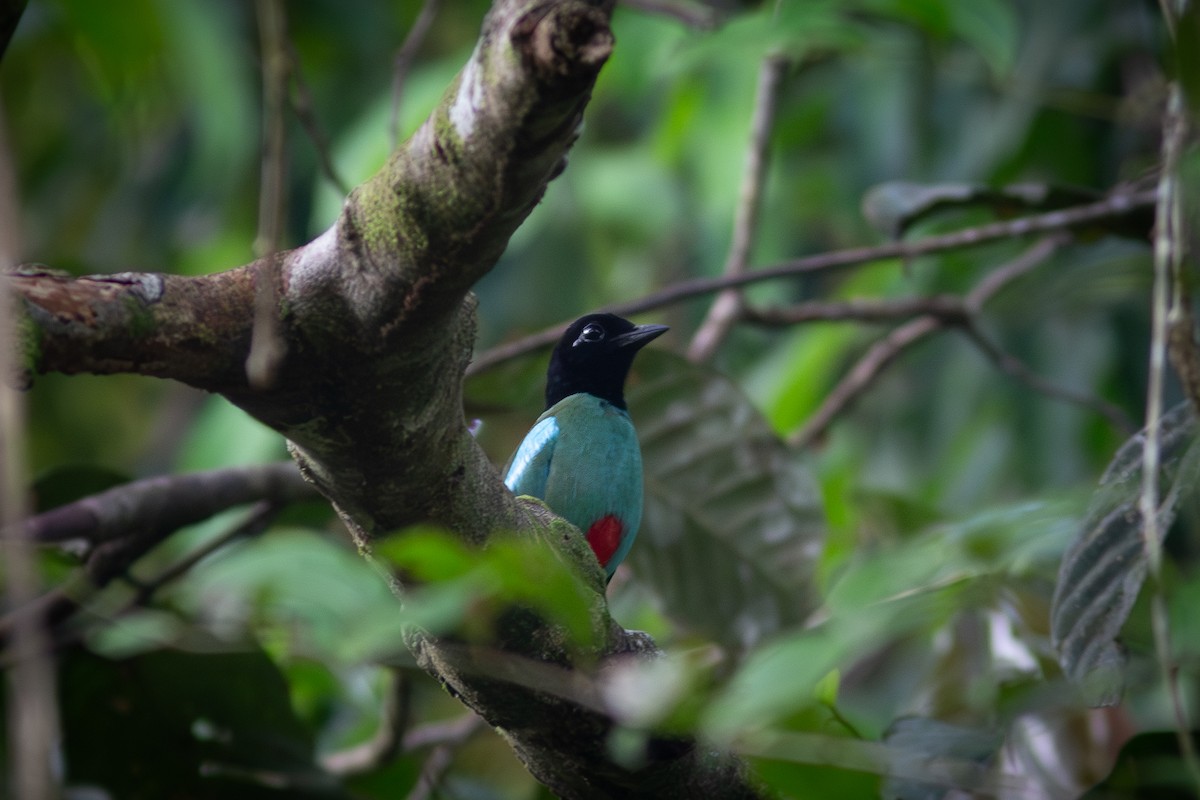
<point x="378" y="324"/>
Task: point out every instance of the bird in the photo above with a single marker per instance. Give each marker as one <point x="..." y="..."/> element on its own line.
<point x="582" y="456"/>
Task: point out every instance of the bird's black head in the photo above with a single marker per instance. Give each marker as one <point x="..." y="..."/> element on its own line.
<point x="594" y="356"/>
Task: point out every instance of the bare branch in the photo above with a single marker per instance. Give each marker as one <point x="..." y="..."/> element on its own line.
<point x="302" y="105"/>
<point x="694" y="15"/>
<point x="1014" y="367"/>
<point x="267" y="345"/>
<point x="404" y="58"/>
<point x="32" y="702"/>
<point x="945" y="307"/>
<point x="194" y="330"/>
<point x="257" y="520"/>
<point x="1114" y="206"/>
<point x="884" y="352"/>
<point x="725" y="309"/>
<point x="161" y="505"/>
<point x="442" y="756"/>
<point x="62" y="602"/>
<point x="863" y="375"/>
<point x="10" y="16"/>
<point x="1168" y="256"/>
<point x="432" y="734"/>
<point x="389" y="737"/>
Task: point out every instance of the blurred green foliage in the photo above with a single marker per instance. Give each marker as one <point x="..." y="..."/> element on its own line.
<point x="949" y="491"/>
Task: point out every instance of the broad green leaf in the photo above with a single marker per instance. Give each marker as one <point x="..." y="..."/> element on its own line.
<point x="1103" y="571"/>
<point x="732" y="527"/>
<point x="223" y="435"/>
<point x="307" y="593"/>
<point x="471" y="589"/>
<point x="882" y="597"/>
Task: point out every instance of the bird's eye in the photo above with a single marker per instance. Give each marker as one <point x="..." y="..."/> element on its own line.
<point x="591" y="333"/>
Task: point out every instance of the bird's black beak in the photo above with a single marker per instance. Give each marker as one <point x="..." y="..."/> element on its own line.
<point x="639" y="337"/>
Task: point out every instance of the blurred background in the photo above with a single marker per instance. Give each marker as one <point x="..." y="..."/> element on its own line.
<point x="923" y="526"/>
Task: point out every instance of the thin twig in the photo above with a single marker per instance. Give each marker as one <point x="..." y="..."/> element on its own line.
<point x="32" y="707"/>
<point x="389" y="736"/>
<point x="257" y="520"/>
<point x="727" y="306"/>
<point x="858" y="310"/>
<point x="155" y="507"/>
<point x="305" y="109"/>
<point x="884" y="352"/>
<point x="864" y="374"/>
<point x="10" y="16"/>
<point x="441" y="757"/>
<point x="404" y="58"/>
<point x="700" y="17"/>
<point x="63" y="602"/>
<point x="1113" y="206"/>
<point x="1168" y="255"/>
<point x="52" y="608"/>
<point x="267" y="345"/>
<point x="1170" y="18"/>
<point x="432" y="734"/>
<point x="1017" y="369"/>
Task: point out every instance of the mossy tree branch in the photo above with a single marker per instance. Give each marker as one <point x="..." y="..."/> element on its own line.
<point x="378" y="327"/>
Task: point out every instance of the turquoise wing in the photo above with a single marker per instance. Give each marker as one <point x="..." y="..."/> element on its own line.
<point x="582" y="458"/>
<point x="530" y="467"/>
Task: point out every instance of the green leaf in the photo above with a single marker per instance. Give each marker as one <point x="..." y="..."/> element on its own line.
<point x="299" y="589"/>
<point x="466" y="591"/>
<point x="732" y="526"/>
<point x="1102" y="573"/>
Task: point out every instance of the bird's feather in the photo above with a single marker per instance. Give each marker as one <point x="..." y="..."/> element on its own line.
<point x="582" y="458"/>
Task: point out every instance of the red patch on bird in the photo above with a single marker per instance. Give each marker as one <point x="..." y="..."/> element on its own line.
<point x="604" y="535"/>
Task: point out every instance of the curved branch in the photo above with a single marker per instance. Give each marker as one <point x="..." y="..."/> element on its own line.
<point x="724" y="311"/>
<point x="1116" y="206"/>
<point x="160" y="506"/>
<point x="884" y="352"/>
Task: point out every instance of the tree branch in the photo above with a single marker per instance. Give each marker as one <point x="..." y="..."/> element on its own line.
<point x="267" y="345"/>
<point x="31" y="706"/>
<point x="726" y="308"/>
<point x="379" y="330"/>
<point x="884" y="352"/>
<point x="193" y="330"/>
<point x="404" y="58"/>
<point x="388" y="738"/>
<point x="694" y="15"/>
<point x="1116" y="206"/>
<point x="10" y="16"/>
<point x="156" y="507"/>
<point x="302" y="105"/>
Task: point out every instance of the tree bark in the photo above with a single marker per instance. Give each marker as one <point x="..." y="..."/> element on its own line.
<point x="378" y="324"/>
